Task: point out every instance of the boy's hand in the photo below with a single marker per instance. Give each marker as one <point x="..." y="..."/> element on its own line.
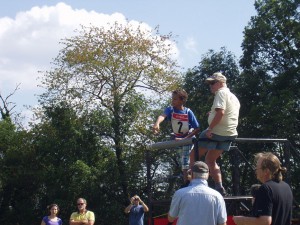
<point x="155" y="128"/>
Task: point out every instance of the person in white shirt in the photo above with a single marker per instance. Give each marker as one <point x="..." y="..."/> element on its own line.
<point x="222" y="121"/>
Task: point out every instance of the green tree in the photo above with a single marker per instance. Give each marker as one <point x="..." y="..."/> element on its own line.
<point x="269" y="84"/>
<point x="271" y="64"/>
<point x="20" y="175"/>
<point x="7" y="136"/>
<point x="74" y="163"/>
<point x="106" y="70"/>
<point x="6" y="106"/>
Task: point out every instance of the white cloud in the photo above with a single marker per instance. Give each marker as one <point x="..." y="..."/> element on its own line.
<point x="191" y="45"/>
<point x="190" y="52"/>
<point x="30" y="41"/>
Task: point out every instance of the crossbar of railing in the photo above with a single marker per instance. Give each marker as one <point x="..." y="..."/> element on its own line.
<point x="265" y="140"/>
<point x="190" y="141"/>
<point x="171" y="144"/>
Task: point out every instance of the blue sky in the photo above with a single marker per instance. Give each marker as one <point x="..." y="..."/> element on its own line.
<point x="29" y="37"/>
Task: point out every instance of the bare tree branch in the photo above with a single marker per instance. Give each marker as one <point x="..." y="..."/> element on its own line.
<point x="7" y="106"/>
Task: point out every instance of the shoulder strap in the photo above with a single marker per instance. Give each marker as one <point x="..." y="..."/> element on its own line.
<point x="186" y="109"/>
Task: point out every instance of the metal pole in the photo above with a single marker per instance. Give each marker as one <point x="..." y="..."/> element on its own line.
<point x="149" y="185"/>
<point x="170" y="144"/>
<point x="287" y="163"/>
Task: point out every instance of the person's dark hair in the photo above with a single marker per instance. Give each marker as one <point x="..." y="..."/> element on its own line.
<point x="49" y="207"/>
<point x="181" y="93"/>
<point x="272" y="163"/>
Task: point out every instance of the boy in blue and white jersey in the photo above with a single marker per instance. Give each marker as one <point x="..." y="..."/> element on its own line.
<point x="184" y="125"/>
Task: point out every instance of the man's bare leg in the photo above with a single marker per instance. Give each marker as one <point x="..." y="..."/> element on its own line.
<point x="214" y="169"/>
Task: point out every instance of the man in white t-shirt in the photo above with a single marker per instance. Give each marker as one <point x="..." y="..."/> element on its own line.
<point x="223" y="121"/>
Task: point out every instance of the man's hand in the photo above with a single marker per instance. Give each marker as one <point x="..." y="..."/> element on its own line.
<point x="208" y="134"/>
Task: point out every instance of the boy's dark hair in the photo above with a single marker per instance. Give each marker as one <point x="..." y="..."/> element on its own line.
<point x="181" y="93"/>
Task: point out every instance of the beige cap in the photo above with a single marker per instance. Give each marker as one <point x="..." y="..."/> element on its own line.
<point x="216" y="76"/>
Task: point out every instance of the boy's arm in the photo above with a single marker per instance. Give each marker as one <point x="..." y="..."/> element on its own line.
<point x="160" y="119"/>
<point x="194" y="124"/>
<point x="194" y="132"/>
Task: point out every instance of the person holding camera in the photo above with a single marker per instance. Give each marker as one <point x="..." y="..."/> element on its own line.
<point x="136" y="211"/>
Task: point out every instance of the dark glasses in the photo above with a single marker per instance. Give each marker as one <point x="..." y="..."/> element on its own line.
<point x="80" y="203"/>
<point x="213" y="82"/>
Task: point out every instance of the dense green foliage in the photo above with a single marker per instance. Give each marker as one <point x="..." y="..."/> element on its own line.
<point x="269" y="84"/>
<point x="95" y="121"/>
